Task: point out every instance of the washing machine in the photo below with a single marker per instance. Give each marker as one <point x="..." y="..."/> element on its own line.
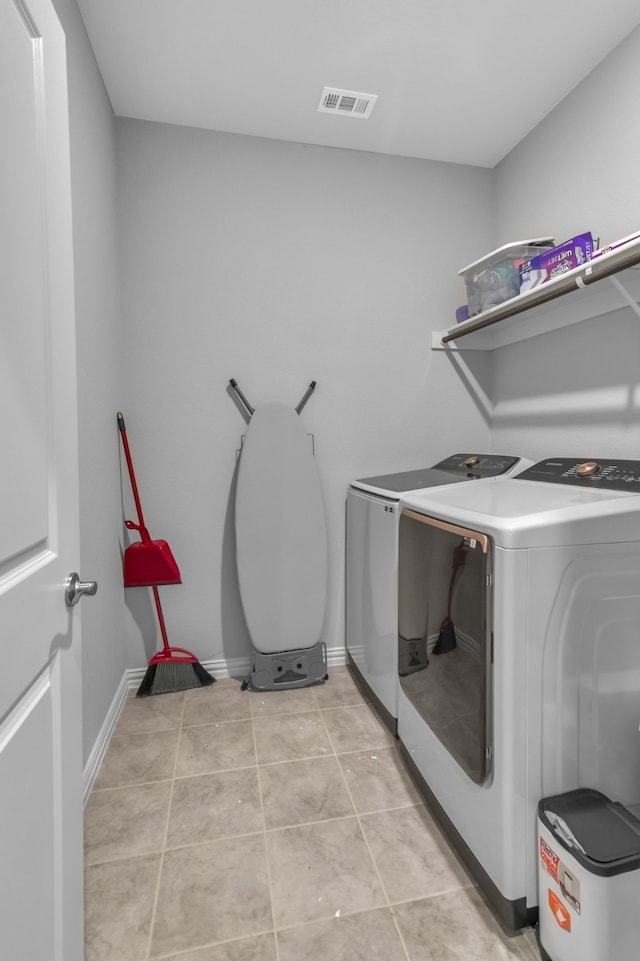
<point x="534" y="582"/>
<point x="372" y="567"/>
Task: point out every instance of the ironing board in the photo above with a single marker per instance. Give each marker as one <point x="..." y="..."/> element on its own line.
<point x="281" y="547"/>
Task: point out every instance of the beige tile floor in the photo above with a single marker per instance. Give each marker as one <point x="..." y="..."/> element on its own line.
<point x="235" y="826"/>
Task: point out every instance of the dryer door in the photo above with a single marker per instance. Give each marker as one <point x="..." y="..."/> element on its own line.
<point x="445" y="636"/>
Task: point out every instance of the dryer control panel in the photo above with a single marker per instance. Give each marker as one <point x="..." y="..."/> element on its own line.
<point x="621" y="475"/>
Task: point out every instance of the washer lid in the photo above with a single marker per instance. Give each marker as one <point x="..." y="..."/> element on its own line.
<point x="388" y="485"/>
<point x="520" y="513"/>
<point x="451" y="470"/>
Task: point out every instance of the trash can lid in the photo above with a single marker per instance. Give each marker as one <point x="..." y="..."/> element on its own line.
<point x="605" y="832"/>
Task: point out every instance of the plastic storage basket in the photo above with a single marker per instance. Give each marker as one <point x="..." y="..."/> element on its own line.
<point x="495" y="277"/>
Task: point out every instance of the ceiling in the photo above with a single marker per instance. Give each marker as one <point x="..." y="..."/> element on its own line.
<point x="457" y="80"/>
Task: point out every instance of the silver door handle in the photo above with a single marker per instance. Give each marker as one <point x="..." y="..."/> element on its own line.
<point x="76" y="589"/>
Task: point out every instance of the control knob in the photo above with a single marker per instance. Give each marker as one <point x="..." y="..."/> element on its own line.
<point x="472" y="461"/>
<point x="587" y="468"/>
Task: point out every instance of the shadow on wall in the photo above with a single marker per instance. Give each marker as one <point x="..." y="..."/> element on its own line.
<point x="571" y="378"/>
<point x="580" y="377"/>
<point x="475" y="373"/>
<point x="139" y="603"/>
<point x="236" y="640"/>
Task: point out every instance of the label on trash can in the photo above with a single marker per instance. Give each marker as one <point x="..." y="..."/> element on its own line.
<point x="549" y="858"/>
<point x="567" y="880"/>
<point x="559" y="911"/>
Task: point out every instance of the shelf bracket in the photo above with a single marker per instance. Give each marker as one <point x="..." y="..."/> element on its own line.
<point x="473" y="385"/>
<point x="436" y="341"/>
<point x="626" y="296"/>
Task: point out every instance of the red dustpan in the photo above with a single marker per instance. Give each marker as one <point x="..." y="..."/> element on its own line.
<point x="147" y="563"/>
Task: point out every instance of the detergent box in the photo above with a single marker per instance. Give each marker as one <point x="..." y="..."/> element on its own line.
<point x="556" y="261"/>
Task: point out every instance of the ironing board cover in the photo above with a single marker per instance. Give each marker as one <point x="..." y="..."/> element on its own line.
<point x="281" y="540"/>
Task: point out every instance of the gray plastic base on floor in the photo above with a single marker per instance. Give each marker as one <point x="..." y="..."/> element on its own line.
<point x="412" y="655"/>
<point x="287" y="669"/>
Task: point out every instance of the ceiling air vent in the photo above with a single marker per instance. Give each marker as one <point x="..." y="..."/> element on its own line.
<point x="347" y="103"/>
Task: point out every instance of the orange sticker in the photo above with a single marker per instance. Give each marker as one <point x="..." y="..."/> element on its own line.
<point x="559" y="911"/>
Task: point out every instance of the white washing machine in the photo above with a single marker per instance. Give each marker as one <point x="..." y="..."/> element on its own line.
<point x="539" y="693"/>
<point x="372" y="566"/>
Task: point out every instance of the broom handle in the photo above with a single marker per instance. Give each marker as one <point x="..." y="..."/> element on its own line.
<point x="458" y="561"/>
<point x="163" y="630"/>
<point x="168" y="650"/>
<point x="132" y="476"/>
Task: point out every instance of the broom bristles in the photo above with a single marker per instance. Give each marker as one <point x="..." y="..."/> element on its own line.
<point x="169" y="677"/>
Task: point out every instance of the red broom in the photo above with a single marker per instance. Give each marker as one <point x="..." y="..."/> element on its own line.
<point x="172" y="669"/>
<point x="147" y="564"/>
<point x="447" y="640"/>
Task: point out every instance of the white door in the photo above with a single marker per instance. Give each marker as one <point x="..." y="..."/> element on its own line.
<point x="40" y="694"/>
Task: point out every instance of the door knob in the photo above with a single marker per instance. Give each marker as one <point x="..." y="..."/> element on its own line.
<point x="76" y="589"/>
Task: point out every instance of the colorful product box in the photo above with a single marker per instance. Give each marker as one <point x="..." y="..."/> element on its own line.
<point x="557" y="261"/>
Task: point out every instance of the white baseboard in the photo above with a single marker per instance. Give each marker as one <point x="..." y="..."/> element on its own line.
<point x="236" y="666"/>
<point x="240" y="666"/>
<point x="131" y="679"/>
<point x="336" y="656"/>
<point x="97" y="752"/>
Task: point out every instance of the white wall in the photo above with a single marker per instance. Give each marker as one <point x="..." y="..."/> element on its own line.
<point x="99" y="349"/>
<point x="277" y="264"/>
<point x="575" y="392"/>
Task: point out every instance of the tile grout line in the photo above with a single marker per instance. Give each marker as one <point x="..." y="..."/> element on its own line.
<point x="166" y="829"/>
<point x="364" y="837"/>
<point x="264" y="832"/>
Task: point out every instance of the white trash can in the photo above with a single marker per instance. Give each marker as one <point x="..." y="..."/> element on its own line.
<point x="588" y="878"/>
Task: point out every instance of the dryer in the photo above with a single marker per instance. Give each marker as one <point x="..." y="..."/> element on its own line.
<point x="372" y="567"/>
<point x="540" y="693"/>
